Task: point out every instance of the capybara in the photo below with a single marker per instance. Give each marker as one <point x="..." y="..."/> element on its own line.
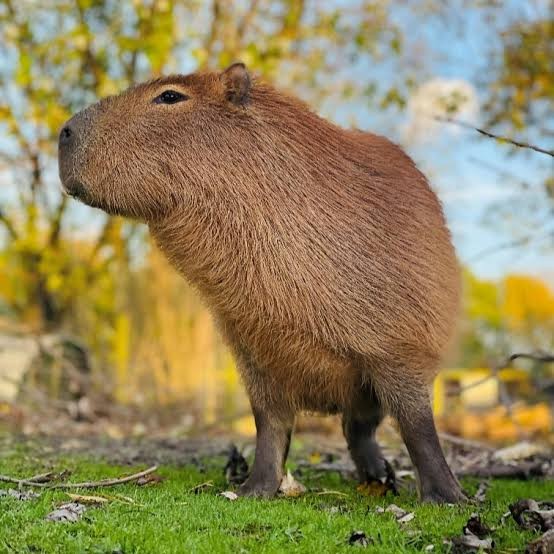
<point x="322" y="253"/>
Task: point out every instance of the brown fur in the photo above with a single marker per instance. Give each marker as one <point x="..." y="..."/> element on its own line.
<point x="322" y="252"/>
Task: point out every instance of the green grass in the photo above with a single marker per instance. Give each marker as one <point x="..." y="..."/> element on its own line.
<point x="167" y="517"/>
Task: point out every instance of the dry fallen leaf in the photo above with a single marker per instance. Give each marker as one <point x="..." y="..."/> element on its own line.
<point x="401" y="515"/>
<point x="20" y="495"/>
<point x="315" y="458"/>
<point x="201" y="487"/>
<point x="469" y="544"/>
<point x="475" y="526"/>
<point x="290" y="487"/>
<point x="475" y="538"/>
<point x="85" y="499"/>
<point x="236" y="468"/>
<point x="374" y="488"/>
<point x="229" y="495"/>
<point x="542" y="545"/>
<point x="150" y="479"/>
<point x="380" y="487"/>
<point x="530" y="514"/>
<point x="359" y="538"/>
<point x="481" y="493"/>
<point x="70" y="513"/>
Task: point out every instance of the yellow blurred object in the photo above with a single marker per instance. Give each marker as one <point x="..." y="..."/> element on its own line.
<point x="315" y="458"/>
<point x="475" y="387"/>
<point x="534" y="419"/>
<point x="245" y="426"/>
<point x="500" y="425"/>
<point x="471" y="425"/>
<point x="374" y="489"/>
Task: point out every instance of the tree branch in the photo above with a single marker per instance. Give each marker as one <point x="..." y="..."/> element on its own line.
<point x="212" y="37"/>
<point x="33" y="482"/>
<point x="8" y="224"/>
<point x="543" y="358"/>
<point x="246" y="21"/>
<point x="486" y="133"/>
<point x="56" y="224"/>
<point x="523" y="241"/>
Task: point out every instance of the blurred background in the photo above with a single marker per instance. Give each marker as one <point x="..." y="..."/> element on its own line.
<point x="98" y="334"/>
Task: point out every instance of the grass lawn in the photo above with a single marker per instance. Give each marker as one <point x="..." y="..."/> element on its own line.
<point x="168" y="517"/>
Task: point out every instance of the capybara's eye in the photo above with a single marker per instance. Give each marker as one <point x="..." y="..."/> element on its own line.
<point x="170" y="97"/>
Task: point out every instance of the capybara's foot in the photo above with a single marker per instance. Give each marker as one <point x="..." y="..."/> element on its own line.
<point x="374" y="469"/>
<point x="259" y="488"/>
<point x="452" y="495"/>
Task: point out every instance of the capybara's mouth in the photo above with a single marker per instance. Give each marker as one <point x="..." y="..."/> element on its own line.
<point x="75" y="189"/>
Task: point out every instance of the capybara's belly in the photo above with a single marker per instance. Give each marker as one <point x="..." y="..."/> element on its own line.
<point x="294" y="370"/>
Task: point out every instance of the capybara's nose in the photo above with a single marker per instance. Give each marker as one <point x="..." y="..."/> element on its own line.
<point x="66" y="135"/>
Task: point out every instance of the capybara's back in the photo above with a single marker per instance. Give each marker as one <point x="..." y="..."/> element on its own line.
<point x="323" y="253"/>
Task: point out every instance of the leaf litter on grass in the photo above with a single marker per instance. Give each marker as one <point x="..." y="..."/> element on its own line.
<point x="539" y="517"/>
<point x="359" y="538"/>
<point x="401" y="516"/>
<point x="236" y="468"/>
<point x="20" y="494"/>
<point x="290" y="487"/>
<point x="67" y="513"/>
<point x="476" y="537"/>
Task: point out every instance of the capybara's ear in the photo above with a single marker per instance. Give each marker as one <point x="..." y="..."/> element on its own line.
<point x="236" y="81"/>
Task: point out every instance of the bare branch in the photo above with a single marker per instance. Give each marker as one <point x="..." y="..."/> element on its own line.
<point x="214" y="28"/>
<point x="543" y="358"/>
<point x="8" y="224"/>
<point x="56" y="224"/>
<point x="523" y="241"/>
<point x="247" y="20"/>
<point x="102" y="238"/>
<point x="486" y="133"/>
<point x="33" y="482"/>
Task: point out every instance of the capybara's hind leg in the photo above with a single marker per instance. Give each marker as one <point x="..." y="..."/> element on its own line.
<point x="273" y="432"/>
<point x="359" y="425"/>
<point x="436" y="483"/>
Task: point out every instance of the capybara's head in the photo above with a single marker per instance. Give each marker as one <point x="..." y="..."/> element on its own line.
<point x="153" y="148"/>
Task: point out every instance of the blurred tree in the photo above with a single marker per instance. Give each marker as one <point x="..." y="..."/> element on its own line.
<point x="499" y="318"/>
<point x="60" y="268"/>
<point x="66" y="267"/>
<point x="521" y="93"/>
<point x="62" y="55"/>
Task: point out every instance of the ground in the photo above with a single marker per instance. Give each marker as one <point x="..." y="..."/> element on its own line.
<point x="169" y="516"/>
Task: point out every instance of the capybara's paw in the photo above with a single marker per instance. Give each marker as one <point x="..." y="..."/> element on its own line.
<point x="453" y="495"/>
<point x="259" y="488"/>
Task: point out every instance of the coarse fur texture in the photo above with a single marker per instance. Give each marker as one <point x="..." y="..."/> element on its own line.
<point x="322" y="252"/>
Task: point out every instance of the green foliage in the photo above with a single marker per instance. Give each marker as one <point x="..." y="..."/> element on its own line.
<point x="516" y="313"/>
<point x="521" y="95"/>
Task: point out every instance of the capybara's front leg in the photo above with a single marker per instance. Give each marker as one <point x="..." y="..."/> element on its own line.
<point x="273" y="432"/>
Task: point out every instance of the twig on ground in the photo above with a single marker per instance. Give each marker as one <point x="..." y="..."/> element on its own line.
<point x="86" y="485"/>
<point x="42" y="477"/>
<point x="484" y="132"/>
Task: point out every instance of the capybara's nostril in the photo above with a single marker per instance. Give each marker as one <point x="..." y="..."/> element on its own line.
<point x="66" y="135"/>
